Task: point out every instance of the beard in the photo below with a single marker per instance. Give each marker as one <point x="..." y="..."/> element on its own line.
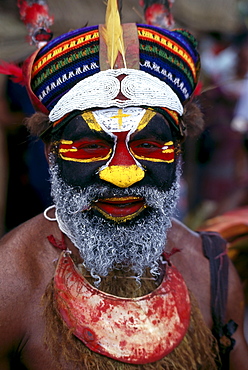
<point x="134" y="245"/>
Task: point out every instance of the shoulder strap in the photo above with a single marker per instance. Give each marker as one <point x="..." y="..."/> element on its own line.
<point x="214" y="248"/>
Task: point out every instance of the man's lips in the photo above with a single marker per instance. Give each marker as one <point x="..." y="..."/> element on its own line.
<point x="120" y="207"/>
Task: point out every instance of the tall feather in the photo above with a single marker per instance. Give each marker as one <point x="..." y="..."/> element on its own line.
<point x="113" y="33"/>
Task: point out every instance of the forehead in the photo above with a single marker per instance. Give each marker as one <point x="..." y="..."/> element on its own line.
<point x="119" y="120"/>
<point x="114" y="120"/>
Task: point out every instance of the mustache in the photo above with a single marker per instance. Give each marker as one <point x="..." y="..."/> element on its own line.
<point x="104" y="192"/>
<point x="81" y="199"/>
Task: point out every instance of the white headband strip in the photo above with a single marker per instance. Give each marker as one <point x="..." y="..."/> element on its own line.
<point x="101" y="90"/>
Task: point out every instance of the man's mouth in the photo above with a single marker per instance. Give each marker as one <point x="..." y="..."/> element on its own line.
<point x="120" y="209"/>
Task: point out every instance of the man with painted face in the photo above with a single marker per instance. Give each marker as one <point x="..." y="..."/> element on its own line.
<point x="106" y="278"/>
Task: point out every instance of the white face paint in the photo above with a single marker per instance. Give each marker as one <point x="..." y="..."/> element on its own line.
<point x="119" y="120"/>
<point x="113" y="121"/>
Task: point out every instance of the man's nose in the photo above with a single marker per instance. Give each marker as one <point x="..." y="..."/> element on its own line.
<point x="122" y="171"/>
<point x="122" y="176"/>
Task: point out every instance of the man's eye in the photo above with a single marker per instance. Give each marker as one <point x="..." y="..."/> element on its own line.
<point x="85" y="149"/>
<point x="153" y="150"/>
<point x="146" y="145"/>
<point x="92" y="146"/>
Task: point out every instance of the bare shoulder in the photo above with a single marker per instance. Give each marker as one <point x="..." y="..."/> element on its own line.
<point x="25" y="269"/>
<point x="192" y="264"/>
<point x="188" y="242"/>
<point x="180" y="230"/>
<point x="24" y="250"/>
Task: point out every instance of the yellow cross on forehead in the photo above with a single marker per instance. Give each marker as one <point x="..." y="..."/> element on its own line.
<point x="116" y="120"/>
<point x="120" y="117"/>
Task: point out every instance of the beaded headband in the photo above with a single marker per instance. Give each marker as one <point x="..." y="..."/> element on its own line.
<point x="155" y="68"/>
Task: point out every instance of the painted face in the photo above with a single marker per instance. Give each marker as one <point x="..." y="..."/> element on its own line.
<point x="121" y="147"/>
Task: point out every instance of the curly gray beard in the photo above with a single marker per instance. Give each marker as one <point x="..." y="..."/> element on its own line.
<point x="105" y="245"/>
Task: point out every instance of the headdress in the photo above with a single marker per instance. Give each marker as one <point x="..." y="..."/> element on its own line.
<point x="110" y="65"/>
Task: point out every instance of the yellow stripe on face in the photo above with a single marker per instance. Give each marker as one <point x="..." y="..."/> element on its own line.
<point x="152" y="159"/>
<point x="91" y="121"/>
<point x="89" y="160"/>
<point x="149" y="114"/>
<point x="64" y="151"/>
<point x="168" y="150"/>
<point x="169" y="143"/>
<point x="66" y="142"/>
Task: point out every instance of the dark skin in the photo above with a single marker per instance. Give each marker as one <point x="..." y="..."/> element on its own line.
<point x="27" y="266"/>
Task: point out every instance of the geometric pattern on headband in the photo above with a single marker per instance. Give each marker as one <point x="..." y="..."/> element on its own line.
<point x="105" y="90"/>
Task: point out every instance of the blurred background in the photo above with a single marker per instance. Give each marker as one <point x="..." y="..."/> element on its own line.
<point x="215" y="178"/>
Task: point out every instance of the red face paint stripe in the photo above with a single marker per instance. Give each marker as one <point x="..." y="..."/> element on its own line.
<point x="91" y="150"/>
<point x="80" y="156"/>
<point x="122" y="156"/>
<point x="156" y="152"/>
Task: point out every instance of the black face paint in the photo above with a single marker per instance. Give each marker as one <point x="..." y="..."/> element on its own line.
<point x="94" y="147"/>
<point x="83" y="151"/>
<point x="154" y="146"/>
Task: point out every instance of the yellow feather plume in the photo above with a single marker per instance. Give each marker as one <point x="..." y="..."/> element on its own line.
<point x="113" y="33"/>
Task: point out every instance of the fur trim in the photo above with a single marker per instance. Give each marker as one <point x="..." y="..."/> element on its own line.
<point x="38" y="125"/>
